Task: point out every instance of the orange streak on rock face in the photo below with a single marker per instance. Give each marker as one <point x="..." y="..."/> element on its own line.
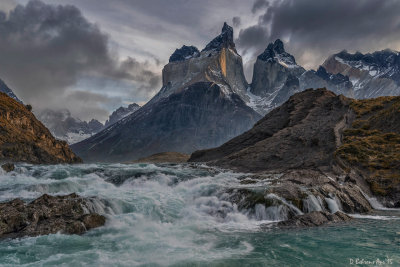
<point x="222" y="62"/>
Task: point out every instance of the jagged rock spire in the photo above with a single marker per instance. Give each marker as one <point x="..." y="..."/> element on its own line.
<point x="224" y="40"/>
<point x="276" y="49"/>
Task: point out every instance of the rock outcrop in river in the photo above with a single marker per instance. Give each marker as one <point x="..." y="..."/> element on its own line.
<point x="47" y="215"/>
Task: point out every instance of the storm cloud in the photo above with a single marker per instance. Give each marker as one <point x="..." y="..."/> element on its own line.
<point x="46" y="49"/>
<point x="315" y="29"/>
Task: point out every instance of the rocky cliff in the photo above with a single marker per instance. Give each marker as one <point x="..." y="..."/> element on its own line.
<point x="218" y="62"/>
<point x="354" y="141"/>
<point x="24" y="138"/>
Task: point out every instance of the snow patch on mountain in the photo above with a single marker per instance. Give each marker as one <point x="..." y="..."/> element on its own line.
<point x="5" y="89"/>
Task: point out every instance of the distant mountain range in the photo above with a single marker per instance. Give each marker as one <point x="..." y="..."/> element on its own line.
<point x="205" y="99"/>
<point x="65" y="127"/>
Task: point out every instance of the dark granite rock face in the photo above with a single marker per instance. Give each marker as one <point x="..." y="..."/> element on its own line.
<point x="47" y="215"/>
<point x="275" y="77"/>
<point x="224" y="40"/>
<point x="201" y="116"/>
<point x="184" y="53"/>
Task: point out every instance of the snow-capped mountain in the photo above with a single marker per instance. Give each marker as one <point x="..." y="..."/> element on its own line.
<point x="372" y="75"/>
<point x="64" y="127"/>
<point x="121" y="113"/>
<point x="200" y="105"/>
<point x="5" y="89"/>
<point x="277" y="76"/>
<point x="205" y="99"/>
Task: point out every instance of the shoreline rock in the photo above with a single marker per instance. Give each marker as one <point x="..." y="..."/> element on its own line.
<point x="47" y="215"/>
<point x="293" y="195"/>
<point x="315" y="218"/>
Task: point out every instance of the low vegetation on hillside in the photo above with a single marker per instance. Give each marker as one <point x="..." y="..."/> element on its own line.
<point x="373" y="142"/>
<point x="25" y="139"/>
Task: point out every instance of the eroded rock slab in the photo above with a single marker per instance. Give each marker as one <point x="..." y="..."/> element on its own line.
<point x="47" y="215"/>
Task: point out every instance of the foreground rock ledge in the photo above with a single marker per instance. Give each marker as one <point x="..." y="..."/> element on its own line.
<point x="315" y="218"/>
<point x="47" y="215"/>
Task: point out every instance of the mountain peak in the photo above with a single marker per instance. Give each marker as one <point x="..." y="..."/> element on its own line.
<point x="275" y="52"/>
<point x="227" y="28"/>
<point x="224" y="40"/>
<point x="183" y="53"/>
<point x="278" y="46"/>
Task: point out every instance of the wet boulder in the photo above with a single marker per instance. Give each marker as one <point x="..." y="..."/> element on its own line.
<point x="8" y="167"/>
<point x="69" y="214"/>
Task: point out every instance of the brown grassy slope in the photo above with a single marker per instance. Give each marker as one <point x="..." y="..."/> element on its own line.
<point x="25" y="139"/>
<point x="373" y="143"/>
<point x="164" y="157"/>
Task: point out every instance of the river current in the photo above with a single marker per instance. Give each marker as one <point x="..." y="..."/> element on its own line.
<point x="180" y="215"/>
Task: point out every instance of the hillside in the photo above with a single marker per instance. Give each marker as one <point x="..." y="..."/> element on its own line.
<point x="318" y="130"/>
<point x="24" y="139"/>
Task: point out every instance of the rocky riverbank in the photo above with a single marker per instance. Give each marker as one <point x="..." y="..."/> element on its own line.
<point x="330" y="151"/>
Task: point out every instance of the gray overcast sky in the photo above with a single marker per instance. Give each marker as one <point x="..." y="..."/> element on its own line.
<point x="91" y="56"/>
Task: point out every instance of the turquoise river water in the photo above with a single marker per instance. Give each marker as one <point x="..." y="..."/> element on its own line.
<point x="169" y="215"/>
